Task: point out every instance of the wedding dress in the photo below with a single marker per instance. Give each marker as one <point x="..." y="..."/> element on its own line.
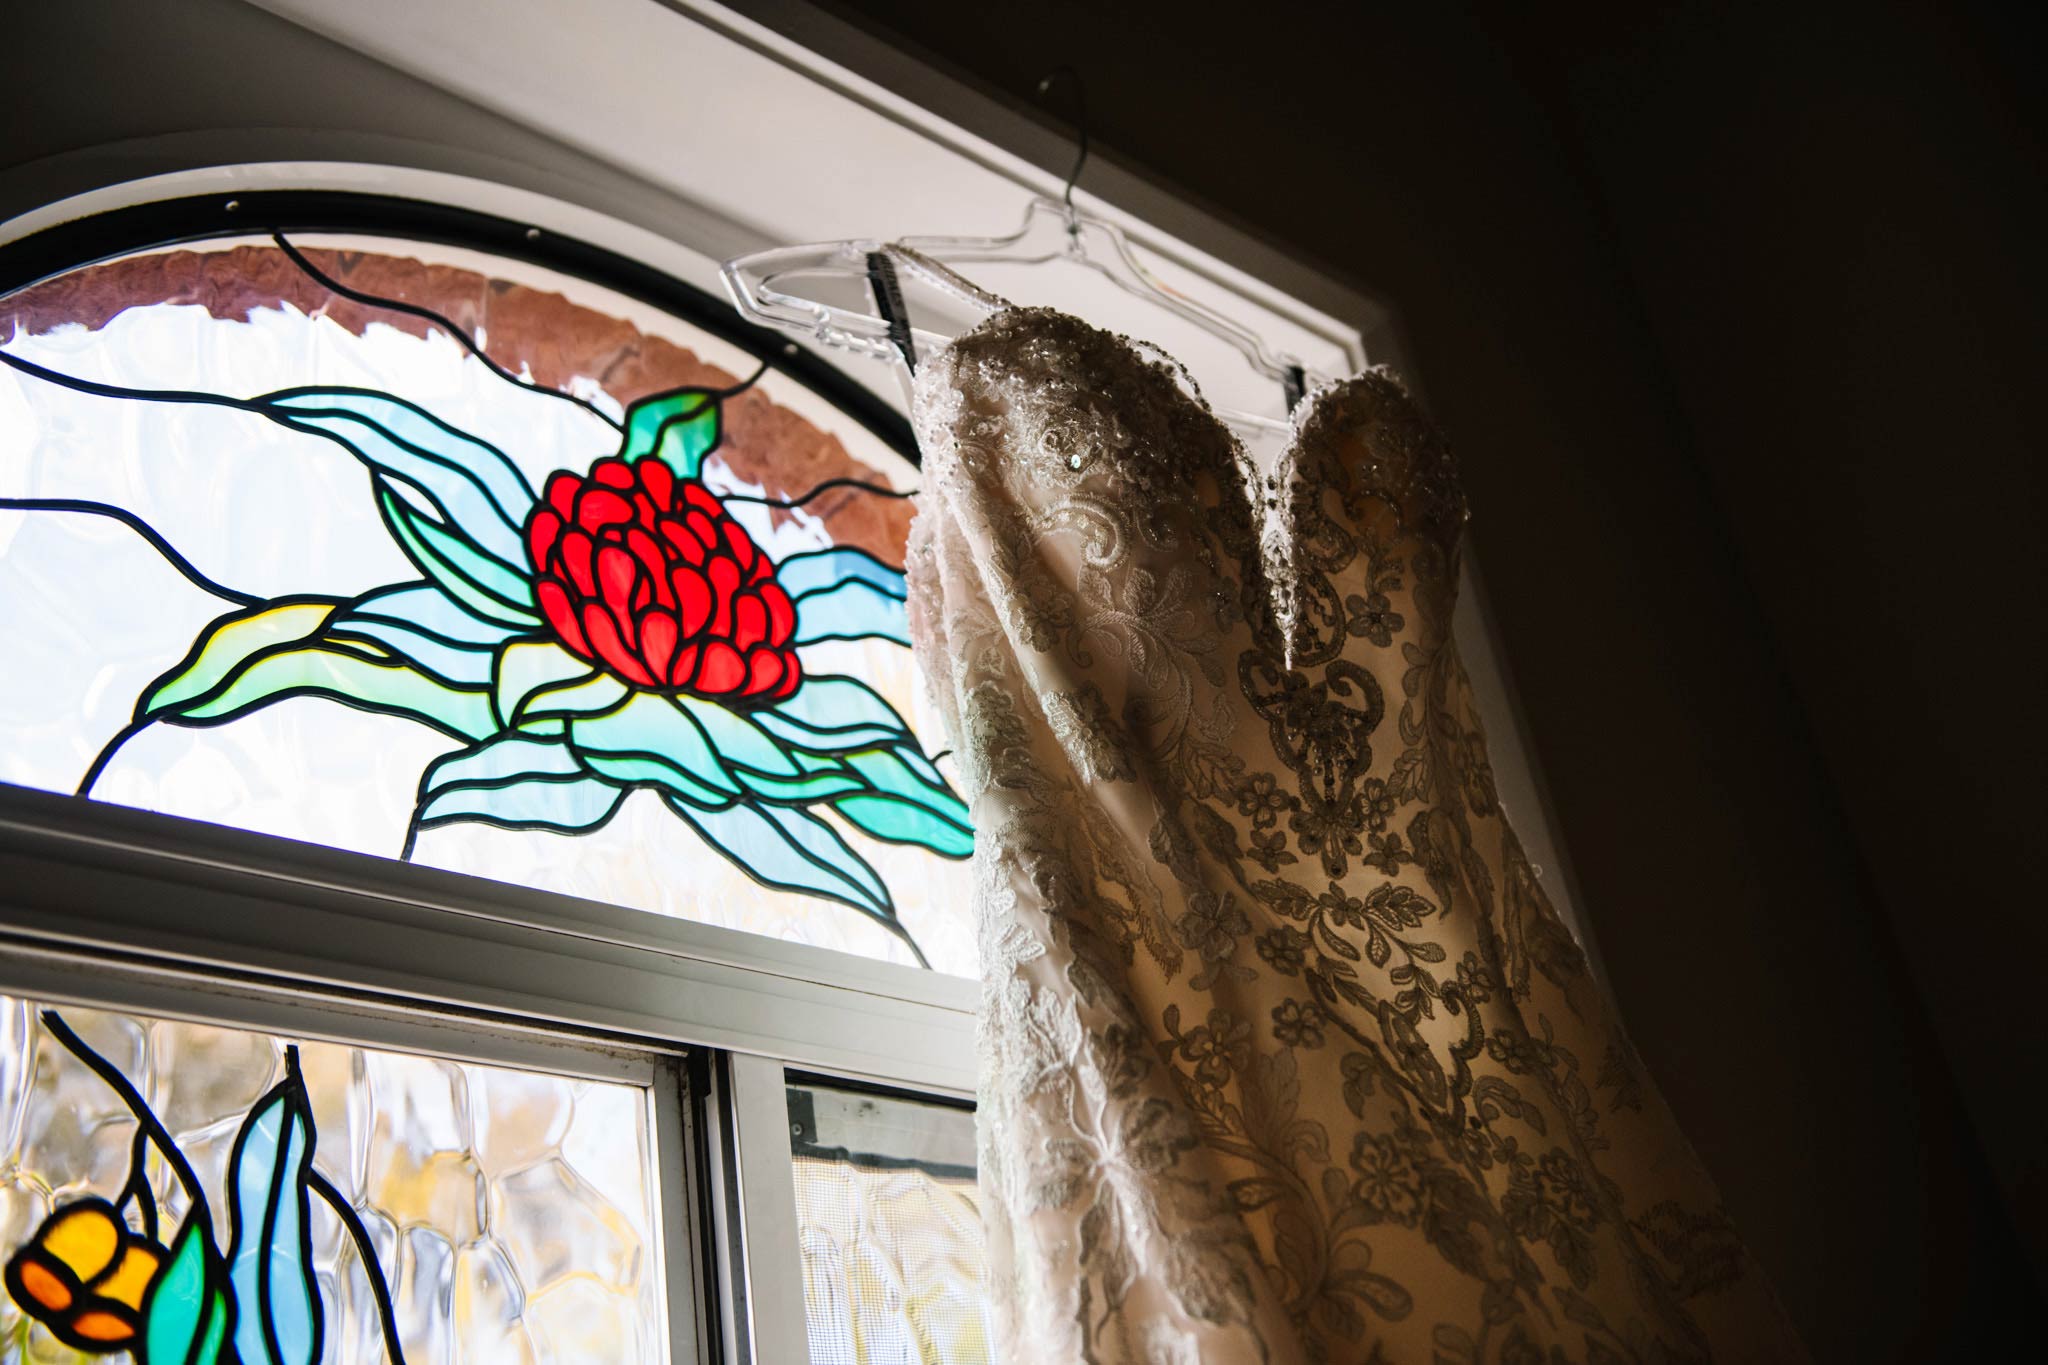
<point x="1285" y="1057"/>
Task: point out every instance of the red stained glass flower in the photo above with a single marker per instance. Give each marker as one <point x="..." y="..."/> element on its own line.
<point x="648" y="576"/>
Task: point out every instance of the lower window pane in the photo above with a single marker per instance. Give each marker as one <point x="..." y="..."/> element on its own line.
<point x="214" y="1192"/>
<point x="894" y="1260"/>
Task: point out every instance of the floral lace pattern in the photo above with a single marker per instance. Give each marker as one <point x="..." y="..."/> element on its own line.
<point x="1285" y="1057"/>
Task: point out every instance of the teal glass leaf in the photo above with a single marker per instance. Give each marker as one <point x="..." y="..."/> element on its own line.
<point x="426" y="608"/>
<point x="270" y="1260"/>
<point x="816" y="570"/>
<point x="853" y="610"/>
<point x="680" y="427"/>
<point x="831" y="715"/>
<point x="844" y="594"/>
<point x="497" y="760"/>
<point x="471" y="483"/>
<point x="486" y="588"/>
<point x="652" y="739"/>
<point x="794" y="850"/>
<point x="899" y="821"/>
<point x="341" y="672"/>
<point x="904" y="807"/>
<point x="593" y="694"/>
<point x="888" y="771"/>
<point x="737" y="740"/>
<point x="924" y="768"/>
<point x="185" y="1317"/>
<point x="641" y="770"/>
<point x="566" y="806"/>
<point x="537" y="675"/>
<point x="812" y="786"/>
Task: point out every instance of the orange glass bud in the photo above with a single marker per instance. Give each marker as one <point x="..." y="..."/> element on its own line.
<point x="84" y="1274"/>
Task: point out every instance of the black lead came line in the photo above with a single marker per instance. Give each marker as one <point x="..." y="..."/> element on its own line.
<point x="141" y="528"/>
<point x="145" y="1117"/>
<point x="468" y="342"/>
<point x="859" y="485"/>
<point x="366" y="1250"/>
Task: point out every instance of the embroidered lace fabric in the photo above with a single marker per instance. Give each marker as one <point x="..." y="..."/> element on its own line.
<point x="1285" y="1057"/>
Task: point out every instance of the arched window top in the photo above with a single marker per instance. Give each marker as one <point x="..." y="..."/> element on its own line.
<point x="435" y="552"/>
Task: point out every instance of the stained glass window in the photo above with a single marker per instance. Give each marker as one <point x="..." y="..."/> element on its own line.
<point x="443" y="556"/>
<point x="890" y="1230"/>
<point x="187" y="1192"/>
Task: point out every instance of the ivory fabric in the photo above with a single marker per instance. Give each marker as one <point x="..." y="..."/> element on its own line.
<point x="1285" y="1056"/>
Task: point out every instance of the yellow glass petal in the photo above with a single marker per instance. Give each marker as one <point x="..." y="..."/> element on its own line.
<point x="130" y="1277"/>
<point x="84" y="1237"/>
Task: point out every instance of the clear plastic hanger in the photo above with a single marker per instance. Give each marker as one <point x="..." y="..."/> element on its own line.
<point x="781" y="286"/>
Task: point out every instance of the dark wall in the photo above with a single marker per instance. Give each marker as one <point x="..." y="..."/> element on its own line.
<point x="1736" y="317"/>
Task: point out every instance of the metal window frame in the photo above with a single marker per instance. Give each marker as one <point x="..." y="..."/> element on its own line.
<point x="105" y="906"/>
<point x="72" y="975"/>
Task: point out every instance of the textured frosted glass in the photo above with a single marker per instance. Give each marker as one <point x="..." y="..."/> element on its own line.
<point x="893" y="1251"/>
<point x="512" y="1211"/>
<point x="93" y="617"/>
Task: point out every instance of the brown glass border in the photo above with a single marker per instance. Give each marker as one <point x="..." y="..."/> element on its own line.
<point x="172" y="222"/>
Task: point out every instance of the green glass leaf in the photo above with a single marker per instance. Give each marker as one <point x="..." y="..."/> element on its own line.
<point x="794" y="850"/>
<point x="229" y="641"/>
<point x="672" y="745"/>
<point x="906" y="822"/>
<point x="344" y="675"/>
<point x="270" y="1260"/>
<point x="488" y="589"/>
<point x="184" y="1318"/>
<point x="680" y="427"/>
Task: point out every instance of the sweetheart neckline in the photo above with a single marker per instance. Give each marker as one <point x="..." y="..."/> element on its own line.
<point x="1002" y="309"/>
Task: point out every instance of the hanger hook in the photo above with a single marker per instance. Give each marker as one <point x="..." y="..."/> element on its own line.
<point x="1080" y="121"/>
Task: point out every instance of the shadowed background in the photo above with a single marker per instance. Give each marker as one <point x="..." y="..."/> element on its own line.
<point x="1736" y="315"/>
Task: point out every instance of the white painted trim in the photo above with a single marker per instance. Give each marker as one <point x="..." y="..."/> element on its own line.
<point x="767" y="1176"/>
<point x="99" y="878"/>
<point x="60" y="975"/>
<point x="679" y="1251"/>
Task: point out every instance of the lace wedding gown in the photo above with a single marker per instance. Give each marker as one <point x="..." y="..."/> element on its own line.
<point x="1285" y="1057"/>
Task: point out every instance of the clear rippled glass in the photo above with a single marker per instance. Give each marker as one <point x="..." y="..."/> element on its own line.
<point x="512" y="1211"/>
<point x="893" y="1252"/>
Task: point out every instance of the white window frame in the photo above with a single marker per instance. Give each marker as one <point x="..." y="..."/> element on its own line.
<point x="100" y="904"/>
